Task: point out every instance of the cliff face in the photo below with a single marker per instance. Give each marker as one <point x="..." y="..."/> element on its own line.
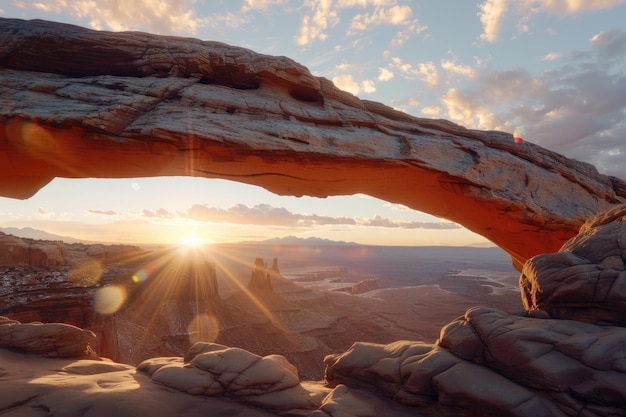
<point x="134" y="104"/>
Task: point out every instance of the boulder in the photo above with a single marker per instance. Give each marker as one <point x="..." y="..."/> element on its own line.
<point x="50" y="339"/>
<point x="134" y="105"/>
<point x="586" y="279"/>
<point x="216" y="370"/>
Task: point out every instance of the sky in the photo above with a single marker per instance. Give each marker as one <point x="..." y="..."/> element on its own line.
<point x="552" y="71"/>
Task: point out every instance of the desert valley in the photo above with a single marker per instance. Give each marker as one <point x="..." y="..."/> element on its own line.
<point x="318" y="298"/>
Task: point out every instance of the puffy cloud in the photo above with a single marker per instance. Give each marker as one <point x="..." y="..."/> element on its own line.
<point x="453" y="68"/>
<point x="493" y="12"/>
<point x="320" y="16"/>
<point x="396" y="15"/>
<point x="425" y="71"/>
<point x="313" y="26"/>
<point x="577" y="109"/>
<point x="385" y="74"/>
<point x="348" y="83"/>
<point x="414" y="28"/>
<point x="164" y="16"/>
<point x="431" y="111"/>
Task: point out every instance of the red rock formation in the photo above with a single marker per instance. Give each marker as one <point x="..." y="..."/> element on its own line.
<point x="261" y="277"/>
<point x="586" y="279"/>
<point x="133" y="104"/>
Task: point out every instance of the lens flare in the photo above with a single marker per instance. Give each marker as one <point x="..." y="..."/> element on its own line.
<point x="517" y="136"/>
<point x="109" y="300"/>
<point x="140" y="276"/>
<point x="86" y="272"/>
<point x="203" y="328"/>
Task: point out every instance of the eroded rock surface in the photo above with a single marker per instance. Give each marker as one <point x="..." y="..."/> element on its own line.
<point x="217" y="370"/>
<point x="133" y="104"/>
<point x="586" y="279"/>
<point x="47" y="339"/>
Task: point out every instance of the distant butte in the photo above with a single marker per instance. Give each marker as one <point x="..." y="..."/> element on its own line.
<point x="79" y="103"/>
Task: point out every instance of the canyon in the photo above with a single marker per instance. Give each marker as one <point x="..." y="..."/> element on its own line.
<point x="134" y="104"/>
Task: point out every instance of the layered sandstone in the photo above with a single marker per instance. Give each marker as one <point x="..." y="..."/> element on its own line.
<point x="80" y="103"/>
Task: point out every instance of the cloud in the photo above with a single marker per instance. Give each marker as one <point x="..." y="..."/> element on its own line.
<point x="267" y="215"/>
<point x="396" y="16"/>
<point x="414" y="28"/>
<point x="103" y="212"/>
<point x="159" y="213"/>
<point x="164" y="16"/>
<point x="551" y="56"/>
<point x="378" y="221"/>
<point x="348" y="83"/>
<point x="261" y="4"/>
<point x="576" y="109"/>
<point x="493" y="12"/>
<point x="320" y="16"/>
<point x="424" y="71"/>
<point x="431" y="111"/>
<point x="43" y="213"/>
<point x="453" y="68"/>
<point x="385" y="74"/>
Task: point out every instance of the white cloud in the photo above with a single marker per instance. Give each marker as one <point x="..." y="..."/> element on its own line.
<point x="164" y="16"/>
<point x="385" y="74"/>
<point x="261" y="4"/>
<point x="424" y="71"/>
<point x="320" y="16"/>
<point x="551" y="56"/>
<point x="313" y="26"/>
<point x="431" y="111"/>
<point x="577" y="109"/>
<point x="396" y="15"/>
<point x="348" y="83"/>
<point x="414" y="28"/>
<point x="493" y="12"/>
<point x="453" y="68"/>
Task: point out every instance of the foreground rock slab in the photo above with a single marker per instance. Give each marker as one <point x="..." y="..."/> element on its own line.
<point x="134" y="104"/>
<point x="490" y="363"/>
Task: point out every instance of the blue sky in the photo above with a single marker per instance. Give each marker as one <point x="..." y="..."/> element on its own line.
<point x="554" y="70"/>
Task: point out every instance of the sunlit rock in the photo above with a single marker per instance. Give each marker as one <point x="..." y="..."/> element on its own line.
<point x="47" y="339"/>
<point x="134" y="105"/>
<point x="217" y="370"/>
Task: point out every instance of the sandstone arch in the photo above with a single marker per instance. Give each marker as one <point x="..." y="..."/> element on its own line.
<point x="80" y="103"/>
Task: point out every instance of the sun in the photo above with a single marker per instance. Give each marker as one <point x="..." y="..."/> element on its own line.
<point x="191" y="241"/>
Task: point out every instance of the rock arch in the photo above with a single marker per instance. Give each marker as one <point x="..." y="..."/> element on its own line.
<point x="80" y="103"/>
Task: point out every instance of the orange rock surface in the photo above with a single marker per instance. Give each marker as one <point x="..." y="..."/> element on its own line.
<point x="78" y="103"/>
